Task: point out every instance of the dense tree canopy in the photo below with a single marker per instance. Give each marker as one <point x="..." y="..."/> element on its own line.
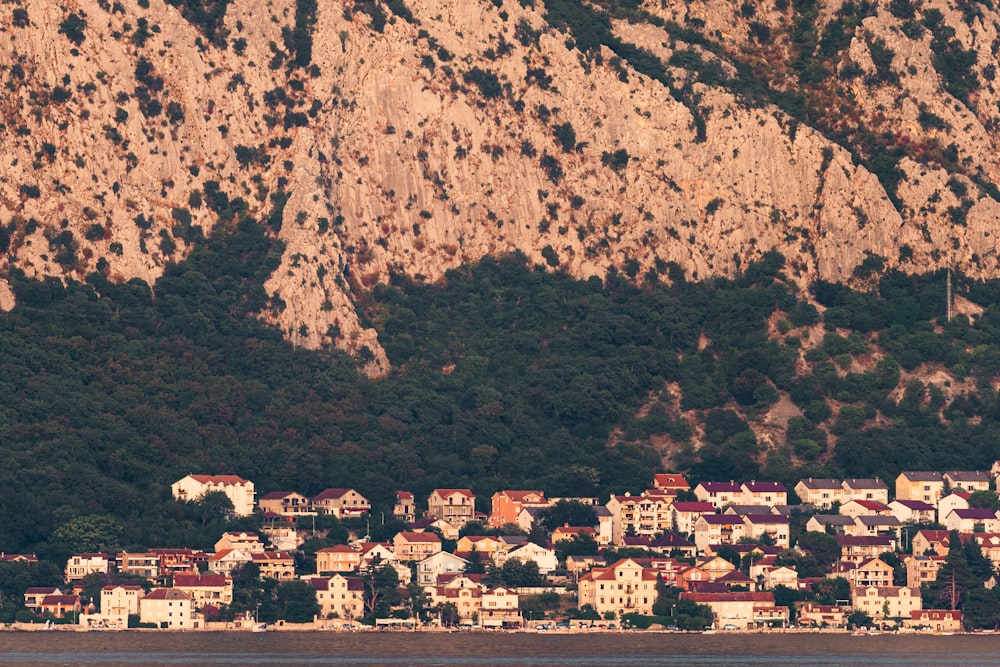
<point x="503" y="376"/>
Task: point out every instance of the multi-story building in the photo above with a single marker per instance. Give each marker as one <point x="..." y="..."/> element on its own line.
<point x="285" y="503"/>
<point x="766" y="494"/>
<point x="822" y="493"/>
<point x="644" y="515"/>
<point x="341" y="503"/>
<point x="275" y="564"/>
<point x="866" y="489"/>
<point x="718" y="529"/>
<point x="498" y="608"/>
<point x="456" y="506"/>
<point x="245" y="541"/>
<point x="773" y="527"/>
<point x="239" y="491"/>
<point x="621" y="588"/>
<point x="410" y="546"/>
<point x="145" y="565"/>
<point x="205" y="589"/>
<point x="339" y="596"/>
<point x="885" y="602"/>
<point x="507" y="505"/>
<point x="741" y="609"/>
<point x="79" y="566"/>
<point x="969" y="481"/>
<point x="338" y="558"/>
<point x="167" y="608"/>
<point x="120" y="602"/>
<point x="719" y="494"/>
<point x="917" y="485"/>
<point x="405" y="508"/>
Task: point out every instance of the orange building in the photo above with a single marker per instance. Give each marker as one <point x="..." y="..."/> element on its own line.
<point x="508" y="504"/>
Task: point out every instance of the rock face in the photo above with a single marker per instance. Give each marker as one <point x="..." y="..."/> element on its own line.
<point x="414" y="137"/>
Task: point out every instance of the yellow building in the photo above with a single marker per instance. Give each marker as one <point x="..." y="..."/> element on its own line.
<point x="623" y="587"/>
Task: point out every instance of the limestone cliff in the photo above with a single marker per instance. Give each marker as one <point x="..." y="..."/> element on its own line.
<point x="413" y="137"/>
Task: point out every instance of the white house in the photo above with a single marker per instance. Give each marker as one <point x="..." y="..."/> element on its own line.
<point x="239" y="491"/>
<point x="529" y="551"/>
<point x="440" y="563"/>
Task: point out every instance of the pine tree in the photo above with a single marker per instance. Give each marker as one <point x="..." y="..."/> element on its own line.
<point x="954" y="578"/>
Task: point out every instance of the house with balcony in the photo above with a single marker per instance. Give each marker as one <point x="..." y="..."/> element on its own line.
<point x="821" y="615"/>
<point x="285" y="503"/>
<point x="922" y="570"/>
<point x="871" y="572"/>
<point x="854" y="549"/>
<point x="145" y="565"/>
<point x="441" y="563"/>
<point x="463" y="591"/>
<point x="876" y="525"/>
<point x="341" y="503"/>
<point x="225" y="561"/>
<point x="275" y="565"/>
<point x="118" y="602"/>
<point x="34" y="595"/>
<point x="409" y="546"/>
<point x="644" y="515"/>
<point x="80" y="565"/>
<point x="621" y="588"/>
<point x="337" y="558"/>
<point x="456" y="506"/>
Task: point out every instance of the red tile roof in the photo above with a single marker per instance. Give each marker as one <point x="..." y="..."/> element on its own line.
<point x="200" y="580"/>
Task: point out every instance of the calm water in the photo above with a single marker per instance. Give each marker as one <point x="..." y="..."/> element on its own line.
<point x="277" y="649"/>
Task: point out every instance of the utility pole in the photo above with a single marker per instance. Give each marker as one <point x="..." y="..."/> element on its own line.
<point x="949" y="311"/>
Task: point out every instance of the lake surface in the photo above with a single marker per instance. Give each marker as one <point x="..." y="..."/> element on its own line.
<point x="276" y="649"/>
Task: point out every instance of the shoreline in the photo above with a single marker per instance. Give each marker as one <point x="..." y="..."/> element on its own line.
<point x="323" y="629"/>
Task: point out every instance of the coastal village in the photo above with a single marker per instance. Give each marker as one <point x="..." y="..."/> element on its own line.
<point x="733" y="550"/>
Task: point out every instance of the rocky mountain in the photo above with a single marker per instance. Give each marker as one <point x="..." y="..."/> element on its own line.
<point x="412" y="136"/>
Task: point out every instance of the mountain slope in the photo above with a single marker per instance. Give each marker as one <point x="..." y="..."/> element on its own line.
<point x="379" y="138"/>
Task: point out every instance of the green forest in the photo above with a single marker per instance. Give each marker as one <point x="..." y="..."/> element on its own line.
<point x="504" y="376"/>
